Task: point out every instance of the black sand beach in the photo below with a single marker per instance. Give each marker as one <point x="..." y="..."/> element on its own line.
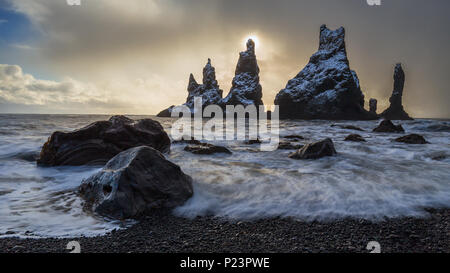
<point x="164" y="233"/>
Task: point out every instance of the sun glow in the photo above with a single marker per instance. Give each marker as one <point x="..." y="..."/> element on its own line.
<point x="254" y="38"/>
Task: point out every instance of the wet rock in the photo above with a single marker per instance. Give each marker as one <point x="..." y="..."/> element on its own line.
<point x="348" y="127"/>
<point x="246" y="89"/>
<point x="206" y="149"/>
<point x="315" y="150"/>
<point x="135" y="181"/>
<point x="284" y="145"/>
<point x="296" y="137"/>
<point x="209" y="91"/>
<point x="253" y="141"/>
<point x="187" y="141"/>
<point x="326" y="88"/>
<point x="395" y="110"/>
<point x="386" y="126"/>
<point x="355" y="138"/>
<point x="100" y="141"/>
<point x="412" y="139"/>
<point x="373" y="106"/>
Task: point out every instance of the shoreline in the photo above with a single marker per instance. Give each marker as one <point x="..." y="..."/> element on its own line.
<point x="162" y="232"/>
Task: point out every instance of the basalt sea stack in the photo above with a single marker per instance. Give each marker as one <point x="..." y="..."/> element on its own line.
<point x="326" y="88"/>
<point x="245" y="89"/>
<point x="395" y="110"/>
<point x="209" y="91"/>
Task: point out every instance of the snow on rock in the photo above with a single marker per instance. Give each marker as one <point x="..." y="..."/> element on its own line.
<point x="395" y="110"/>
<point x="209" y="91"/>
<point x="245" y="89"/>
<point x="326" y="88"/>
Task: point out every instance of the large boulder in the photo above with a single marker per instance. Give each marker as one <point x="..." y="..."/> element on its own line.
<point x="315" y="150"/>
<point x="245" y="89"/>
<point x="326" y="88"/>
<point x="386" y="126"/>
<point x="100" y="141"/>
<point x="209" y="91"/>
<point x="395" y="110"/>
<point x="135" y="181"/>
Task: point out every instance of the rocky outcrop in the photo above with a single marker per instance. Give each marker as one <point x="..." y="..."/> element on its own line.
<point x="209" y="91"/>
<point x="395" y="110"/>
<point x="286" y="145"/>
<point x="135" y="181"/>
<point x="294" y="137"/>
<point x="347" y="127"/>
<point x="373" y="106"/>
<point x="245" y="89"/>
<point x="386" y="126"/>
<point x="354" y="138"/>
<point x="206" y="149"/>
<point x="326" y="88"/>
<point x="98" y="142"/>
<point x="412" y="139"/>
<point x="315" y="150"/>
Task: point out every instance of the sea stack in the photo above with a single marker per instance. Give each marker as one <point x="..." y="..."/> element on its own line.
<point x="326" y="88"/>
<point x="373" y="106"/>
<point x="209" y="90"/>
<point x="395" y="110"/>
<point x="245" y="89"/>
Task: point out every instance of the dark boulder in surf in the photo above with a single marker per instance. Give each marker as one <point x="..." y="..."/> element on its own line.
<point x="134" y="182"/>
<point x="355" y="138"/>
<point x="206" y="149"/>
<point x="100" y="141"/>
<point x="386" y="126"/>
<point x="315" y="150"/>
<point x="412" y="139"/>
<point x="285" y="145"/>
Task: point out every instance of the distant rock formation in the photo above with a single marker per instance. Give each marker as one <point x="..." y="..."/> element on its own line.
<point x="209" y="91"/>
<point x="395" y="110"/>
<point x="373" y="106"/>
<point x="326" y="88"/>
<point x="245" y="89"/>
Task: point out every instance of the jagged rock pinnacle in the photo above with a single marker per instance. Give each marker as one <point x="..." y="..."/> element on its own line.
<point x="395" y="110"/>
<point x="326" y="88"/>
<point x="209" y="91"/>
<point x="245" y="89"/>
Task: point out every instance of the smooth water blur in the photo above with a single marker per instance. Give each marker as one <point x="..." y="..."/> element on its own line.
<point x="376" y="179"/>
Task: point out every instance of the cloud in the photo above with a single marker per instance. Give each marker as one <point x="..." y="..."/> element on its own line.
<point x="69" y="95"/>
<point x="3" y="21"/>
<point x="20" y="88"/>
<point x="147" y="48"/>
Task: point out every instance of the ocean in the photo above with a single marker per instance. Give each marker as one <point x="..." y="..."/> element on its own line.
<point x="373" y="180"/>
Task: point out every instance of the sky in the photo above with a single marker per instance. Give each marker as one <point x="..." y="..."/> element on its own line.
<point x="135" y="57"/>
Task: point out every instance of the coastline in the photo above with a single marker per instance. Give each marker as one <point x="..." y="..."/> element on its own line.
<point x="162" y="232"/>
